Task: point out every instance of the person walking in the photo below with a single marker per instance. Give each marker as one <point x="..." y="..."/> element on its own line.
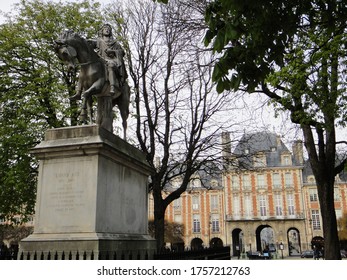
<point x="316" y="253"/>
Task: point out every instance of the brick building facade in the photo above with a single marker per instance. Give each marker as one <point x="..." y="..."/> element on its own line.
<point x="266" y="198"/>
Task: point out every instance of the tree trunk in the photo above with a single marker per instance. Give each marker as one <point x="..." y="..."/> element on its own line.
<point x="326" y="200"/>
<point x="159" y="218"/>
<point x="159" y="229"/>
<point x="323" y="167"/>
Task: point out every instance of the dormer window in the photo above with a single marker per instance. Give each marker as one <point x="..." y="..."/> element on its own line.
<point x="286" y="160"/>
<point x="176" y="183"/>
<point x="195" y="183"/>
<point x="259" y="160"/>
<point x="214" y="183"/>
<point x="311" y="179"/>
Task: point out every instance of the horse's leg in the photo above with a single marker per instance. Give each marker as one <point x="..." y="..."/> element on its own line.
<point x="84" y="110"/>
<point x="79" y="89"/>
<point x="124" y="123"/>
<point x="123" y="106"/>
<point x="95" y="89"/>
<point x="90" y="108"/>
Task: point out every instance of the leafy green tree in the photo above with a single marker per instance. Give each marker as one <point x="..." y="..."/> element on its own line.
<point x="34" y="90"/>
<point x="294" y="52"/>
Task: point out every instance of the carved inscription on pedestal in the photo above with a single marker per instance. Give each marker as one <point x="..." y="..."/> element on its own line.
<point x="64" y="196"/>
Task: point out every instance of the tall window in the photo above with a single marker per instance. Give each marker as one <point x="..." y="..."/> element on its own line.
<point x="178" y="218"/>
<point x="177" y="204"/>
<point x="248" y="206"/>
<point x="262" y="205"/>
<point x="236" y="206"/>
<point x="315" y="219"/>
<point x="336" y="194"/>
<point x="215" y="222"/>
<point x="276" y="180"/>
<point x="290" y="201"/>
<point x="261" y="181"/>
<point x="246" y="182"/>
<point x="195" y="202"/>
<point x="196" y="223"/>
<point x="288" y="179"/>
<point x="313" y="195"/>
<point x="235" y="182"/>
<point x="214" y="202"/>
<point x="278" y="204"/>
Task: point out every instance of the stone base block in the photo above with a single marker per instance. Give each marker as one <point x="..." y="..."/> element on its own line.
<point x="87" y="247"/>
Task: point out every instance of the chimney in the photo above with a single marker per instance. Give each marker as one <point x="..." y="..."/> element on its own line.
<point x="278" y="141"/>
<point x="298" y="152"/>
<point x="226" y="145"/>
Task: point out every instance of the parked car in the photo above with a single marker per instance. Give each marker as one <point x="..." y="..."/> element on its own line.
<point x="258" y="256"/>
<point x="307" y="254"/>
<point x="272" y="248"/>
<point x="310" y="253"/>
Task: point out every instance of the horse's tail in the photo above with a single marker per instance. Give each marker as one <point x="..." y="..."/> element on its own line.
<point x="122" y="101"/>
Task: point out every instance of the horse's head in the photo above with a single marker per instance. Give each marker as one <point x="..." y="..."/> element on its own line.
<point x="71" y="46"/>
<point x="64" y="50"/>
<point x="66" y="53"/>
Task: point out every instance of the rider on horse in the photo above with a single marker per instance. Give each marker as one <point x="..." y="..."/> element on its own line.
<point x="112" y="53"/>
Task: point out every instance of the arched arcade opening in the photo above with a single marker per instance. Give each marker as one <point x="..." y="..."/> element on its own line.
<point x="196" y="244"/>
<point x="294" y="241"/>
<point x="238" y="244"/>
<point x="216" y="243"/>
<point x="265" y="238"/>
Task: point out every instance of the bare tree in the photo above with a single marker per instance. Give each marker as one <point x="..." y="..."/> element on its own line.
<point x="179" y="116"/>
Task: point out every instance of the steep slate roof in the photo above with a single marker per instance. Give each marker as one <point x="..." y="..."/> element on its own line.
<point x="267" y="142"/>
<point x="307" y="171"/>
<point x="208" y="173"/>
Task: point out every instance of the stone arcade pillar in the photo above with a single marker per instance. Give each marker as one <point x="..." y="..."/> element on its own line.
<point x="91" y="198"/>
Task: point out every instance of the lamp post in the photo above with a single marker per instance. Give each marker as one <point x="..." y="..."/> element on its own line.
<point x="281" y="248"/>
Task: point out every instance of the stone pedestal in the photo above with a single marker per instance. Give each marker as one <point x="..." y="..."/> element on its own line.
<point x="91" y="198"/>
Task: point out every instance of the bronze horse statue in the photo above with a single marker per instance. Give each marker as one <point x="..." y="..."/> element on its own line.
<point x="93" y="79"/>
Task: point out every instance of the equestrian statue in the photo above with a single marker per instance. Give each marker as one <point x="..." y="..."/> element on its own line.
<point x="102" y="74"/>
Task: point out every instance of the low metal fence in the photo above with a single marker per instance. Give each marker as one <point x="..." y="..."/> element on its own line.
<point x="222" y="253"/>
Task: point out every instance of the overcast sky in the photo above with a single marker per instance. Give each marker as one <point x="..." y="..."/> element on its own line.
<point x="7" y="5"/>
<point x="267" y="120"/>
